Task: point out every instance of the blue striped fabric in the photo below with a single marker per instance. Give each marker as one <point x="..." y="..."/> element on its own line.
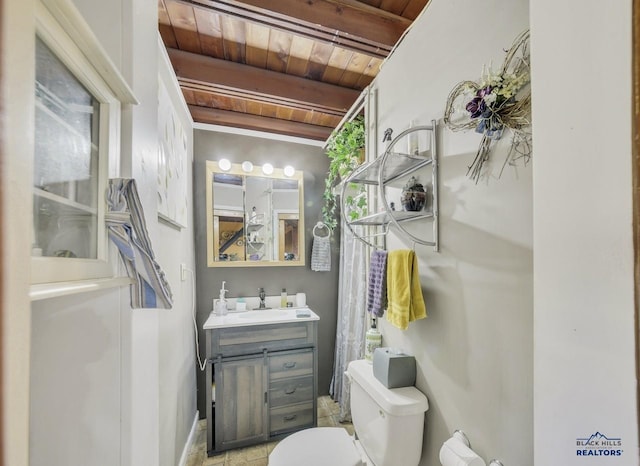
<point x="128" y="230"/>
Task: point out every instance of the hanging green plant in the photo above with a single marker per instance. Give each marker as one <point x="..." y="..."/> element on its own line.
<point x="345" y="150"/>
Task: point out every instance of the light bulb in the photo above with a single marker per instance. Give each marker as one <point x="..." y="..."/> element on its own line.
<point x="289" y="170"/>
<point x="247" y="166"/>
<point x="224" y="165"/>
<point x="267" y="169"/>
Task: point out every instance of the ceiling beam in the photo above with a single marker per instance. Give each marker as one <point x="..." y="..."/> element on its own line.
<point x="215" y="116"/>
<point x="345" y="23"/>
<point x="236" y="80"/>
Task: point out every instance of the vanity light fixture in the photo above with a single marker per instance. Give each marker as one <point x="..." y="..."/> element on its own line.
<point x="247" y="166"/>
<point x="224" y="165"/>
<point x="267" y="169"/>
<point x="289" y="170"/>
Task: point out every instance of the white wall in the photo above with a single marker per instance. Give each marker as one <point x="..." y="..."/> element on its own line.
<point x="75" y="381"/>
<point x="139" y="160"/>
<point x="475" y="350"/>
<point x="584" y="286"/>
<point x="177" y="357"/>
<point x="112" y="386"/>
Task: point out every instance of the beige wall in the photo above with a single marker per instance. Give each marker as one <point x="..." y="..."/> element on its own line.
<point x="15" y="175"/>
<point x="475" y="350"/>
<point x="108" y="386"/>
<point x="585" y="380"/>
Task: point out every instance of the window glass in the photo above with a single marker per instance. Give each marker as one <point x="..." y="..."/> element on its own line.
<point x="66" y="161"/>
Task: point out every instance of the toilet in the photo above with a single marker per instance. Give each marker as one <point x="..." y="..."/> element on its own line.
<point x="388" y="423"/>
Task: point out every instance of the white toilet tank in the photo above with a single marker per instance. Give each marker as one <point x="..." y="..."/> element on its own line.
<point x="388" y="422"/>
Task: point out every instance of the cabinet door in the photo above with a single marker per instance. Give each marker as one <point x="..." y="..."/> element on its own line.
<point x="241" y="402"/>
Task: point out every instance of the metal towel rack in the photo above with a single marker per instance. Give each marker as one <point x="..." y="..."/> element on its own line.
<point x="396" y="162"/>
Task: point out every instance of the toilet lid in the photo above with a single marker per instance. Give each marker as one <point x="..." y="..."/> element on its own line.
<point x="320" y="446"/>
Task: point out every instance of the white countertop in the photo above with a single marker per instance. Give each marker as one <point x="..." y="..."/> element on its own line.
<point x="258" y="317"/>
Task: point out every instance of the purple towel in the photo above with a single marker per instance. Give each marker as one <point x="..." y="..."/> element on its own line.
<point x="377" y="301"/>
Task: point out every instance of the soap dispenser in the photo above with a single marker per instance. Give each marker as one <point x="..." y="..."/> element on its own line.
<point x="373" y="340"/>
<point x="221" y="309"/>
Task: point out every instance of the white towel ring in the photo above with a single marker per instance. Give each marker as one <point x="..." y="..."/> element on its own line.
<point x="321" y="225"/>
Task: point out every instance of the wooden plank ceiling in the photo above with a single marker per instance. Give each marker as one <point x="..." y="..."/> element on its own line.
<point x="291" y="67"/>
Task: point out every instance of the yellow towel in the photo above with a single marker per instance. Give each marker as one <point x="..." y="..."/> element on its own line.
<point x="404" y="294"/>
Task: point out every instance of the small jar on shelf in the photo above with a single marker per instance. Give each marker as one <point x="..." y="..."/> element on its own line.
<point x="414" y="196"/>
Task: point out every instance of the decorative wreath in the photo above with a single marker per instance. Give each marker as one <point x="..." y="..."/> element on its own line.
<point x="497" y="102"/>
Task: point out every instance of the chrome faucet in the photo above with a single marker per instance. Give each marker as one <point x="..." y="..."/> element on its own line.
<point x="262" y="295"/>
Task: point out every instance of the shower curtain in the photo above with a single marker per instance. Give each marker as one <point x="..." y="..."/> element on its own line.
<point x="351" y="325"/>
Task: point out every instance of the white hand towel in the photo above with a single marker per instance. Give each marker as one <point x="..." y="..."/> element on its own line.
<point x="321" y="254"/>
<point x="321" y="249"/>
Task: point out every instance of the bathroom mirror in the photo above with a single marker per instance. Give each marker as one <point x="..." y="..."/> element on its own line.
<point x="254" y="219"/>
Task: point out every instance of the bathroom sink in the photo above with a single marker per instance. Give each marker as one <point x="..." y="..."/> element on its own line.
<point x="256" y="316"/>
<point x="265" y="314"/>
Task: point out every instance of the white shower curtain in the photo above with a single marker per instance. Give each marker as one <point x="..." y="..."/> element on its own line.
<point x="351" y="325"/>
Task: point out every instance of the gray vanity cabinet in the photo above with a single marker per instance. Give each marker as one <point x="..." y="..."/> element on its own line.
<point x="263" y="383"/>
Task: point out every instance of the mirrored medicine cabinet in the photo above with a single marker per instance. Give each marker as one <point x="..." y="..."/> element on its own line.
<point x="254" y="219"/>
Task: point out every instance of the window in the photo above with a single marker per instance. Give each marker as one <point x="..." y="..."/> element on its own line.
<point x="66" y="162"/>
<point x="76" y="141"/>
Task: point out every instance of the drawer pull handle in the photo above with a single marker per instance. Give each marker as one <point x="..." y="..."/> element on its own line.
<point x="289" y="417"/>
<point x="290" y="390"/>
<point x="289" y="365"/>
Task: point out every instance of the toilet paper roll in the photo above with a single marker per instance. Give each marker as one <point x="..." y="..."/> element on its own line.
<point x="455" y="453"/>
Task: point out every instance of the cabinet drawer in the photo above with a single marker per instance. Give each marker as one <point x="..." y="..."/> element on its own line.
<point x="290" y="365"/>
<point x="291" y="391"/>
<point x="257" y="338"/>
<point x="291" y="417"/>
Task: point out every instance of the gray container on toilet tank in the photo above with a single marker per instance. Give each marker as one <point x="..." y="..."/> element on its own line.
<point x="393" y="368"/>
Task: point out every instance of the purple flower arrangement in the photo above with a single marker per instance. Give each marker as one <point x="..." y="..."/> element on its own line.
<point x="498" y="102"/>
<point x="485" y="108"/>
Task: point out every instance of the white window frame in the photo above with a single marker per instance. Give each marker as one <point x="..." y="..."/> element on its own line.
<point x="61" y="27"/>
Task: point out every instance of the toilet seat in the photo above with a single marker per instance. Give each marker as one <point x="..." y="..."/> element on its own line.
<point x="319" y="446"/>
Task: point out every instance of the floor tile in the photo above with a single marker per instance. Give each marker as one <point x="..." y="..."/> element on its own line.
<point x="195" y="459"/>
<point x="326" y="421"/>
<point x="270" y="447"/>
<point x="333" y="407"/>
<point x="349" y="428"/>
<point x="215" y="460"/>
<point x="323" y="411"/>
<point x="246" y="455"/>
<point x="258" y="462"/>
<point x="257" y="455"/>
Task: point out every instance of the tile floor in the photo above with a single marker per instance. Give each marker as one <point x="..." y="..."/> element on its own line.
<point x="256" y="455"/>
